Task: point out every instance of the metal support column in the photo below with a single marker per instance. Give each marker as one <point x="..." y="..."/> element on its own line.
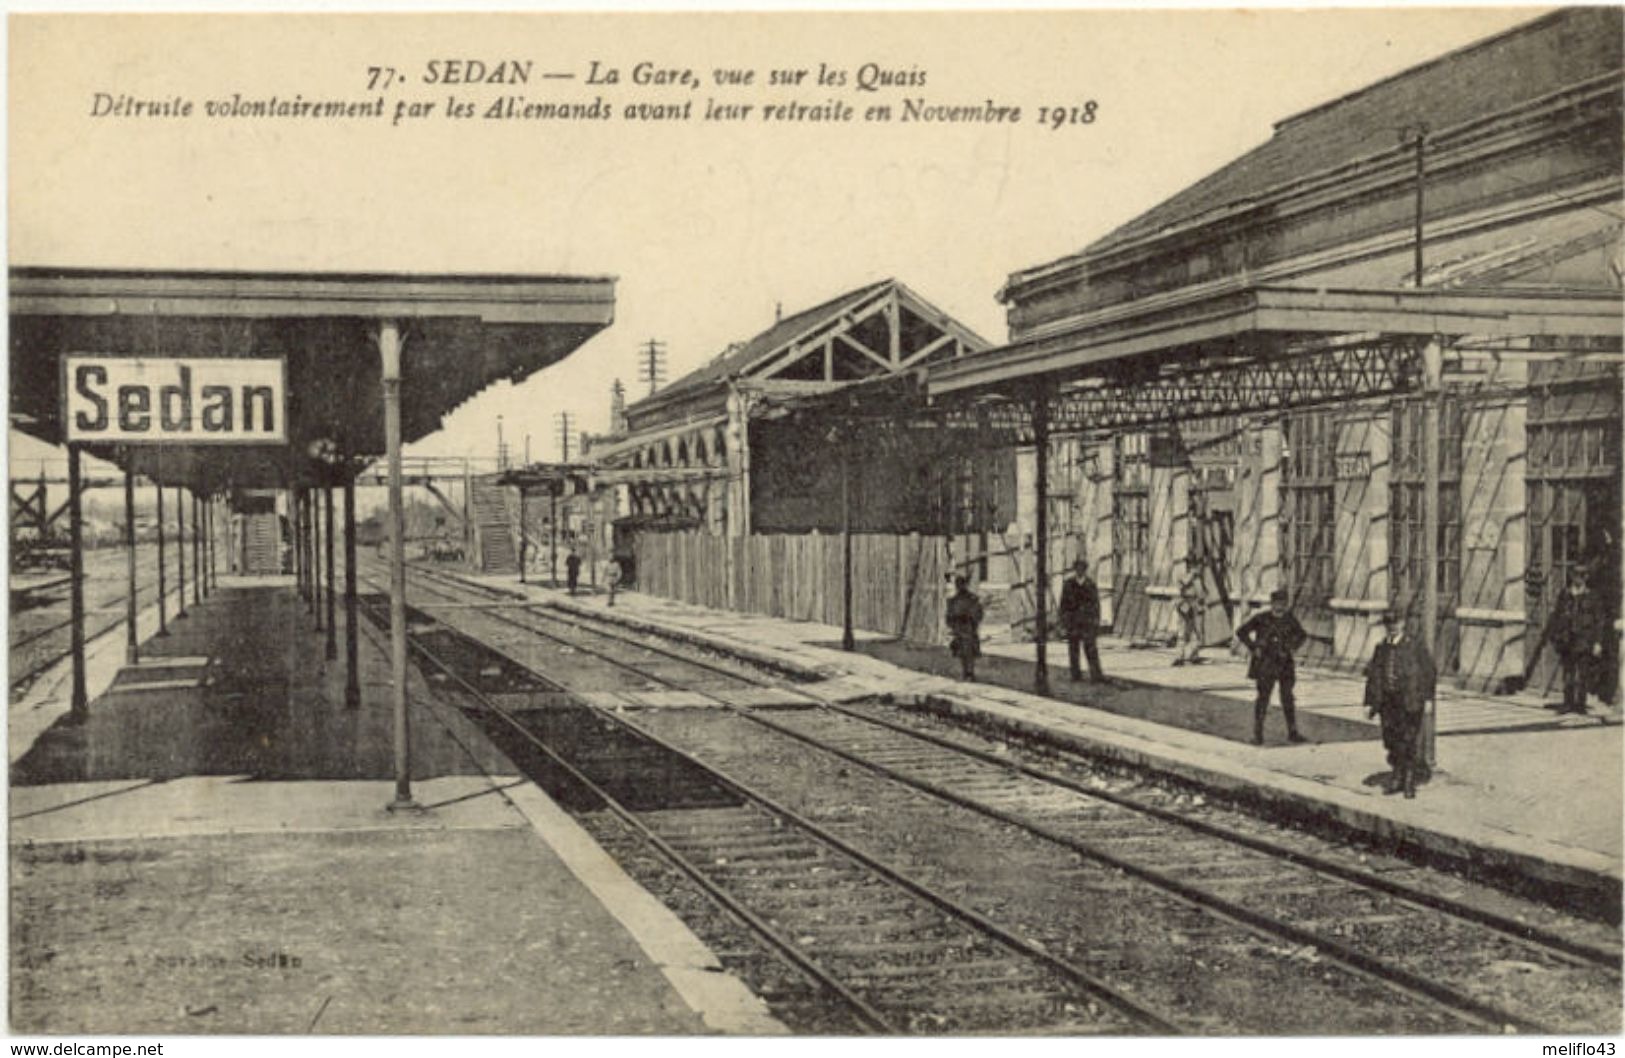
<point x="132" y="649"/>
<point x="1041" y="541"/>
<point x="332" y="642"/>
<point x="848" y="639"/>
<point x="1432" y="371"/>
<point x="197" y="548"/>
<point x="214" y="543"/>
<point x="352" y="676"/>
<point x="79" y="704"/>
<point x="163" y="620"/>
<point x="297" y="551"/>
<point x="553" y="535"/>
<point x="316" y="555"/>
<point x="468" y="515"/>
<point x="305" y="550"/>
<point x="180" y="552"/>
<point x="524" y="537"/>
<point x="389" y="350"/>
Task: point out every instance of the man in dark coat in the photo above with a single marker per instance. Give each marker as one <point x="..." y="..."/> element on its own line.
<point x="1080" y="618"/>
<point x="1399" y="683"/>
<point x="1577" y="633"/>
<point x="1271" y="637"/>
<point x="965" y="627"/>
<point x="572" y="570"/>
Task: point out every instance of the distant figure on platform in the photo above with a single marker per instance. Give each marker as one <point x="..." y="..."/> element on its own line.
<point x="1192" y="610"/>
<point x="1080" y="618"/>
<point x="1577" y="632"/>
<point x="612" y="577"/>
<point x="572" y="570"/>
<point x="1399" y="683"/>
<point x="965" y="627"/>
<point x="1271" y="637"/>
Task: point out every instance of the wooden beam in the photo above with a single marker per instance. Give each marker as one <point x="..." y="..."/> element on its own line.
<point x="926" y="351"/>
<point x="885" y="364"/>
<point x="776" y="363"/>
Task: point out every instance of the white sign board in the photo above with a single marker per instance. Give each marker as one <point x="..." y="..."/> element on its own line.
<point x="174" y="400"/>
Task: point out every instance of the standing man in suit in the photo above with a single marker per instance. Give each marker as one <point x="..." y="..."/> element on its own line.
<point x="1577" y="630"/>
<point x="965" y="627"/>
<point x="1080" y="617"/>
<point x="1399" y="683"/>
<point x="1271" y="637"/>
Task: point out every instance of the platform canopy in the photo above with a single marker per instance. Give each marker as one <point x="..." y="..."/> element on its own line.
<point x="1257" y="323"/>
<point x="461" y="333"/>
<point x="1259" y="348"/>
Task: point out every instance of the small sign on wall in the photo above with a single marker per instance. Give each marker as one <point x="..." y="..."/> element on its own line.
<point x="1353" y="466"/>
<point x="170" y="400"/>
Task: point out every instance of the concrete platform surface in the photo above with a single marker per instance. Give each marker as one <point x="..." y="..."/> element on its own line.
<point x="214" y="855"/>
<point x="1517" y="788"/>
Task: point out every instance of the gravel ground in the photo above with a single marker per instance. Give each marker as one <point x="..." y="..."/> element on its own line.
<point x="1225" y="979"/>
<point x="362" y="933"/>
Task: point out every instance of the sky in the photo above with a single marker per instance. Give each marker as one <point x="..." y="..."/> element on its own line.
<point x="708" y="228"/>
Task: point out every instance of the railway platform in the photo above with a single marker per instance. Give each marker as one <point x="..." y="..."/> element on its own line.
<point x="210" y="852"/>
<point x="1514" y="792"/>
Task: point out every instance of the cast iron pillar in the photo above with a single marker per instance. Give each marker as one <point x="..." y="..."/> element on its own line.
<point x="352" y="677"/>
<point x="315" y="495"/>
<point x="79" y="705"/>
<point x="180" y="552"/>
<point x="1041" y="549"/>
<point x="1432" y="380"/>
<point x="848" y="638"/>
<point x="197" y="548"/>
<point x="132" y="649"/>
<point x="163" y="620"/>
<point x="389" y="351"/>
<point x="332" y="645"/>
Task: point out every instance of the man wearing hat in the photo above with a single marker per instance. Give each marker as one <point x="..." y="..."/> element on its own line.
<point x="1399" y="683"/>
<point x="1577" y="630"/>
<point x="964" y="627"/>
<point x="1080" y="617"/>
<point x="1271" y="637"/>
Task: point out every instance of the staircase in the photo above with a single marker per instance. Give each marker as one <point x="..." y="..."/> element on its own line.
<point x="262" y="551"/>
<point x="494" y="550"/>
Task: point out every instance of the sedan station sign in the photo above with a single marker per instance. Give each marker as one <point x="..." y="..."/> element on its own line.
<point x="171" y="400"/>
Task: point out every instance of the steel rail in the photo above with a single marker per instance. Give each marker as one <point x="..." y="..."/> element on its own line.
<point x="1535" y="936"/>
<point x="867" y="1014"/>
<point x="1394" y="977"/>
<point x="1349" y="958"/>
<point x="35" y="636"/>
<point x="1115" y="997"/>
<point x="1575" y="952"/>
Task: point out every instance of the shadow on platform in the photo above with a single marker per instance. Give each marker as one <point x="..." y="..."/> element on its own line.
<point x="239" y="687"/>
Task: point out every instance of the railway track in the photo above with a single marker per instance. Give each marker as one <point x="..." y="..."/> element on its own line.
<point x="898" y="956"/>
<point x="1425" y="951"/>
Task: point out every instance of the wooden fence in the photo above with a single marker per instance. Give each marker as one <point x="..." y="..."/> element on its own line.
<point x="897" y="580"/>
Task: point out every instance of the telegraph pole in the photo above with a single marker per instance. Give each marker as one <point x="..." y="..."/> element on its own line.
<point x="652" y="364"/>
<point x="1432" y="394"/>
<point x="564" y="420"/>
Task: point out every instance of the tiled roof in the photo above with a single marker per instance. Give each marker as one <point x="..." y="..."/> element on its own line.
<point x="1488" y="77"/>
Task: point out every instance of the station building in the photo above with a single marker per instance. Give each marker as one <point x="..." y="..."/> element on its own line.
<point x="1511" y="151"/>
<point x="731" y="495"/>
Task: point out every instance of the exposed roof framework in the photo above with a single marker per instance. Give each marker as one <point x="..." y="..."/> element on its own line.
<point x="461" y="333"/>
<point x="1259" y="350"/>
<point x="870" y="332"/>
